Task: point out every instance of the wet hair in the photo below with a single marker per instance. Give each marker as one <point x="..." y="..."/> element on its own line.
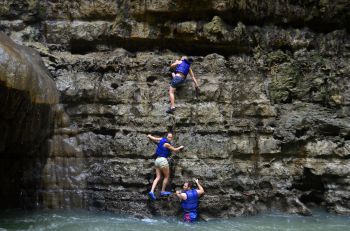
<point x="190" y="184"/>
<point x="190" y="60"/>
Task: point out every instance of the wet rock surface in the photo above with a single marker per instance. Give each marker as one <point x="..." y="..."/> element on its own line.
<point x="270" y="129"/>
<point x="28" y="97"/>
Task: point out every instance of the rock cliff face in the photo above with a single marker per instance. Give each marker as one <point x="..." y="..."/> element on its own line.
<point x="27" y="97"/>
<point x="270" y="129"/>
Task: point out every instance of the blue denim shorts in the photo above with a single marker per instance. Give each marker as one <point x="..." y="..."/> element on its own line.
<point x="177" y="81"/>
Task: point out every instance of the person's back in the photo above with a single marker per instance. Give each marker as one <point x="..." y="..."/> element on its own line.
<point x="190" y="205"/>
<point x="182" y="69"/>
<point x="164" y="149"/>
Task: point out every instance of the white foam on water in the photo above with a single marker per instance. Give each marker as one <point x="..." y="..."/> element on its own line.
<point x="149" y="220"/>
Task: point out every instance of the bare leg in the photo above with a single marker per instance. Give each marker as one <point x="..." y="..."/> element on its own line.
<point x="166" y="173"/>
<point x="155" y="181"/>
<point x="172" y="97"/>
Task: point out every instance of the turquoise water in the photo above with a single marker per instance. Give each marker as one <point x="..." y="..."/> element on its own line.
<point x="83" y="220"/>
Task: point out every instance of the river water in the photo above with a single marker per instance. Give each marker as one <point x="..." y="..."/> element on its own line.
<point x="83" y="220"/>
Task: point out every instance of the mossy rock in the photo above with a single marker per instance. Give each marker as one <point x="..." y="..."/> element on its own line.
<point x="284" y="79"/>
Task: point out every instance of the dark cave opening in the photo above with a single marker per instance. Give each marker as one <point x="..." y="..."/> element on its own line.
<point x="25" y="127"/>
<point x="200" y="48"/>
<point x="312" y="198"/>
<point x="312" y="188"/>
<point x="301" y="132"/>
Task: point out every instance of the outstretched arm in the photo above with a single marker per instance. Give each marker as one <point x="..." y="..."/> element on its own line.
<point x="153" y="138"/>
<point x="173" y="148"/>
<point x="200" y="189"/>
<point x="174" y="64"/>
<point x="194" y="79"/>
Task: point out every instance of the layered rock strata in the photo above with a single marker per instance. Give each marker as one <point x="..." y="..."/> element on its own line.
<point x="270" y="129"/>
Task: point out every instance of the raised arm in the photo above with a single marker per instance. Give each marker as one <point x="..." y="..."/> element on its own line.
<point x="200" y="189"/>
<point x="153" y="138"/>
<point x="194" y="79"/>
<point x="173" y="149"/>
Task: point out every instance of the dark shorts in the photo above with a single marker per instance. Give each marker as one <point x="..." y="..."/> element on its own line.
<point x="190" y="216"/>
<point x="177" y="81"/>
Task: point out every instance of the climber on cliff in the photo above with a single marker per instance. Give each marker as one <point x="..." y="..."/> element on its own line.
<point x="189" y="200"/>
<point x="163" y="151"/>
<point x="182" y="68"/>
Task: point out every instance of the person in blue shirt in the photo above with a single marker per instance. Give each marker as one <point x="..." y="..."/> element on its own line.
<point x="163" y="151"/>
<point x="182" y="68"/>
<point x="189" y="200"/>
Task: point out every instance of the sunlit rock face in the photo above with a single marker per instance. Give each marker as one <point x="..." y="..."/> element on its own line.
<point x="270" y="129"/>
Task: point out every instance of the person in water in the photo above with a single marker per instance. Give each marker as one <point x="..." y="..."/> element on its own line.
<point x="164" y="149"/>
<point x="189" y="200"/>
<point x="182" y="68"/>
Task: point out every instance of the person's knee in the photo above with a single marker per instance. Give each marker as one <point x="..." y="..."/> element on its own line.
<point x="166" y="176"/>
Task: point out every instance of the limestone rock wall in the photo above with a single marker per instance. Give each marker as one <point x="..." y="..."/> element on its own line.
<point x="270" y="129"/>
<point x="28" y="96"/>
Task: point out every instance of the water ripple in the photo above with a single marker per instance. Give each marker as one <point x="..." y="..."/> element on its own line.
<point x="83" y="220"/>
